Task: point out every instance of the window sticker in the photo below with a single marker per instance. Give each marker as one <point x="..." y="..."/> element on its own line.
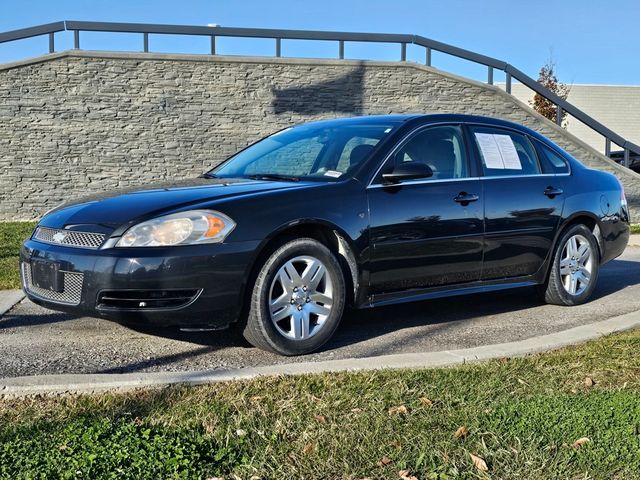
<point x="332" y="173"/>
<point x="490" y="150"/>
<point x="508" y="151"/>
<point x="498" y="151"/>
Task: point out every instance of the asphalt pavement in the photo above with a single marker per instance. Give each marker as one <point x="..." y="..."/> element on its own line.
<point x="35" y="341"/>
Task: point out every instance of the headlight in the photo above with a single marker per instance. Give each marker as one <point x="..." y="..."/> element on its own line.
<point x="184" y="228"/>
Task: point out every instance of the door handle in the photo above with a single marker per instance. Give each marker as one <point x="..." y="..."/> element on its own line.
<point x="552" y="191"/>
<point x="465" y="198"/>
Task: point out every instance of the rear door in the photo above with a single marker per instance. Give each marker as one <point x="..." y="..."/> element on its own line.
<point x="523" y="203"/>
<point x="422" y="232"/>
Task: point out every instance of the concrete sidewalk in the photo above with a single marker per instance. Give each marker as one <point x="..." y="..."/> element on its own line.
<point x="8" y="299"/>
<point x="634" y="240"/>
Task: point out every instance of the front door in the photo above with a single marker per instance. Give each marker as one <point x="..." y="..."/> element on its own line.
<point x="426" y="233"/>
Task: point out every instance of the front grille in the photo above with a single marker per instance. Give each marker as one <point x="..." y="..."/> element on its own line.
<point x="71" y="238"/>
<point x="146" y="299"/>
<point x="71" y="292"/>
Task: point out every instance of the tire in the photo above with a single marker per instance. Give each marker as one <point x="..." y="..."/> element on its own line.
<point x="297" y="299"/>
<point x="564" y="286"/>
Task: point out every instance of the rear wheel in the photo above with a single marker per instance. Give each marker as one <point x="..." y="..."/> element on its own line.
<point x="575" y="268"/>
<point x="297" y="300"/>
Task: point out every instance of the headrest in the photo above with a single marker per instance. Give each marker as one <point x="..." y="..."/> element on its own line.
<point x="359" y="153"/>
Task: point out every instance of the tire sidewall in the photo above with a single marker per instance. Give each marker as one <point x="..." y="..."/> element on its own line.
<point x="260" y="305"/>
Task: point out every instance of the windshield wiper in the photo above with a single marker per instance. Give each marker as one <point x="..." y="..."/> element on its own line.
<point x="273" y="176"/>
<point x="208" y="175"/>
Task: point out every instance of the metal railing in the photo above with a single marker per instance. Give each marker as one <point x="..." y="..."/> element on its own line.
<point x="340" y="38"/>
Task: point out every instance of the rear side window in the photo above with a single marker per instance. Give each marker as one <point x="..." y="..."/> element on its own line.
<point x="551" y="161"/>
<point x="504" y="152"/>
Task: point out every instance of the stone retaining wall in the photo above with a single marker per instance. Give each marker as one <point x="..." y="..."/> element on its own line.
<point x="75" y="123"/>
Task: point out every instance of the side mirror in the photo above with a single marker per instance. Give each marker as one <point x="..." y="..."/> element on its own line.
<point x="408" y="171"/>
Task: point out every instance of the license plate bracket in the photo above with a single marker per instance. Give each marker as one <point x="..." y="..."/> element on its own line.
<point x="47" y="275"/>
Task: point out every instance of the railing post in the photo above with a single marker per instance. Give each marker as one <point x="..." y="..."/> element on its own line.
<point x="626" y="157"/>
<point x="428" y="59"/>
<point x="403" y="51"/>
<point x="490" y="75"/>
<point x="341" y="49"/>
<point x="52" y="47"/>
<point x="559" y="115"/>
<point x="213" y="44"/>
<point x="146" y="42"/>
<point x="278" y="47"/>
<point x="76" y="39"/>
<point x="507" y="84"/>
<point x="607" y="147"/>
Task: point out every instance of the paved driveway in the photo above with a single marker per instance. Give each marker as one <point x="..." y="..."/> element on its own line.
<point x="37" y="341"/>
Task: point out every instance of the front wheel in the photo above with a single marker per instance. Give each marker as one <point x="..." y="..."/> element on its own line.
<point x="297" y="300"/>
<point x="575" y="268"/>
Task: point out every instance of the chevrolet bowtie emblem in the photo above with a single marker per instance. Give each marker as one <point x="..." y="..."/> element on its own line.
<point x="59" y="237"/>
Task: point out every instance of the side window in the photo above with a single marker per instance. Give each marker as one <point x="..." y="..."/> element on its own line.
<point x="353" y="152"/>
<point x="551" y="161"/>
<point x="296" y="158"/>
<point x="442" y="148"/>
<point x="504" y="152"/>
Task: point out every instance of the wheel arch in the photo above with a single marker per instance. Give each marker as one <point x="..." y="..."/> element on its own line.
<point x="588" y="219"/>
<point x="330" y="235"/>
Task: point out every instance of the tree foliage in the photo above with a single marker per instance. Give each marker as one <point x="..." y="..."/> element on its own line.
<point x="547" y="78"/>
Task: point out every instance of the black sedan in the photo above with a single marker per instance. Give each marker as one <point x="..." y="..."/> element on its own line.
<point x="283" y="236"/>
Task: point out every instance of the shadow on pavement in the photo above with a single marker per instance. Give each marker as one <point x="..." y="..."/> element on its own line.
<point x="363" y="325"/>
<point x="11" y="320"/>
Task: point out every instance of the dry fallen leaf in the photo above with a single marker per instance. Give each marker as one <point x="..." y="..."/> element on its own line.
<point x="426" y="401"/>
<point x="308" y="448"/>
<point x="395" y="444"/>
<point x="399" y="410"/>
<point x="384" y="461"/>
<point x="461" y="432"/>
<point x="406" y="475"/>
<point x="255" y="399"/>
<point x="579" y="442"/>
<point x="321" y="418"/>
<point x="479" y="463"/>
<point x="588" y="382"/>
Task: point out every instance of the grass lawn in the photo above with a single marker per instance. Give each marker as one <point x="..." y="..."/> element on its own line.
<point x="12" y="234"/>
<point x="635" y="228"/>
<point x="574" y="413"/>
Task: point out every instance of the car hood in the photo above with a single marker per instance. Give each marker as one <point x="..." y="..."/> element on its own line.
<point x="119" y="207"/>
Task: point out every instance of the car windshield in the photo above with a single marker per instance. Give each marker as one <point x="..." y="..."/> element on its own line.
<point x="307" y="151"/>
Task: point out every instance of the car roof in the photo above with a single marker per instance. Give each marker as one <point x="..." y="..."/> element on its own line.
<point x="425" y="118"/>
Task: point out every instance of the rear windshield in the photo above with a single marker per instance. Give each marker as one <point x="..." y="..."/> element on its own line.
<point x="307" y="151"/>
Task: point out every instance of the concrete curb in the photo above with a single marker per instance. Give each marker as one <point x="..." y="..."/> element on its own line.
<point x="634" y="240"/>
<point x="8" y="299"/>
<point x="89" y="383"/>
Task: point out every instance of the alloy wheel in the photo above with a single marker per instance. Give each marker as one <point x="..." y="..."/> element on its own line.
<point x="301" y="297"/>
<point x="576" y="265"/>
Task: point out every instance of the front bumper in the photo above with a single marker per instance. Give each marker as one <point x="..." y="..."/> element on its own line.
<point x="215" y="274"/>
